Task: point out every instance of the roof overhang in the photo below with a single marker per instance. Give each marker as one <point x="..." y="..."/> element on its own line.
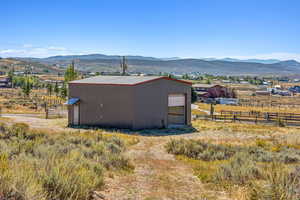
<point x="143" y="82"/>
<point x="72" y="101"/>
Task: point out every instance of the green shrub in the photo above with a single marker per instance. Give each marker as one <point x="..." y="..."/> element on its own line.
<point x="279" y="184"/>
<point x="200" y="150"/>
<point x="64" y="166"/>
<point x="71" y="178"/>
<point x="239" y="170"/>
<point x="209" y="152"/>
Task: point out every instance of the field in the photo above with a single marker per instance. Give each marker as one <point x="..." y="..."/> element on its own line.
<point x="156" y="165"/>
<point x="211" y="160"/>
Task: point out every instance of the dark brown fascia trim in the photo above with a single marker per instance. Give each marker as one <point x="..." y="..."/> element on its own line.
<point x="167" y="78"/>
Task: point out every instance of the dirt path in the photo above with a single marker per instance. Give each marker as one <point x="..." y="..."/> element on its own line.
<point x="36" y="121"/>
<point x="157" y="175"/>
<point x="196" y="107"/>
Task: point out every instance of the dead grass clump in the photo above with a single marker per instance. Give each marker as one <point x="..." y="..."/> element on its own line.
<point x="40" y="165"/>
<point x="280" y="183"/>
<point x="197" y="149"/>
<point x="239" y="170"/>
<point x="257" y="170"/>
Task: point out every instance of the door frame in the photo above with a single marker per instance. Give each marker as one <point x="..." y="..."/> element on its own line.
<point x="185" y="107"/>
<point x="76" y="106"/>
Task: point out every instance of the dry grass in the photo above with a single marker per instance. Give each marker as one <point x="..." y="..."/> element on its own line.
<point x="158" y="175"/>
<point x="257" y="129"/>
<point x="267" y="138"/>
<point x="198" y="112"/>
<point x="37" y="164"/>
<point x="219" y="108"/>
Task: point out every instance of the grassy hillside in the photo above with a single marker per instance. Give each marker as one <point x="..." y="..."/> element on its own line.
<point x="6" y="64"/>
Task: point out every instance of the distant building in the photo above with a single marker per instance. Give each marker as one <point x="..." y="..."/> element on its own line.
<point x="213" y="91"/>
<point x="226" y="81"/>
<point x="5" y="82"/>
<point x="285" y="93"/>
<point x="228" y="101"/>
<point x="244" y="82"/>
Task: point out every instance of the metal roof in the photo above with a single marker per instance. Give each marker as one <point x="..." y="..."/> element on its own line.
<point x="204" y="85"/>
<point x="122" y="80"/>
<point x="72" y="101"/>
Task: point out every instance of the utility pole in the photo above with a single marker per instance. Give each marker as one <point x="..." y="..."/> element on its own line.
<point x="123" y="66"/>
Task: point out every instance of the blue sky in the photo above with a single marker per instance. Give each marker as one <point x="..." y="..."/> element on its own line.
<point x="160" y="28"/>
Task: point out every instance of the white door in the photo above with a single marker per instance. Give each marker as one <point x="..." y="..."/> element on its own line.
<point x="76" y="115"/>
<point x="176" y="109"/>
<point x="176" y="100"/>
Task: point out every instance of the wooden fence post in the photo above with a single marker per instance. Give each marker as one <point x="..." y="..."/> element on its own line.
<point x="46" y="110"/>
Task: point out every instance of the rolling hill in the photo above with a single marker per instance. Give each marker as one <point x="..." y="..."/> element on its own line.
<point x="100" y="62"/>
<point x="6" y="64"/>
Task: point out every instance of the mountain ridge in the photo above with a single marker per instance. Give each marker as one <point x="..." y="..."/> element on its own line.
<point x="102" y="62"/>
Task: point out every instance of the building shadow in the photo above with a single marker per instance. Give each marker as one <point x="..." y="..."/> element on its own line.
<point x="144" y="132"/>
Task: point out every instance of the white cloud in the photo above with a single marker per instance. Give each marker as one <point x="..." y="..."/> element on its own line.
<point x="28" y="50"/>
<point x="10" y="51"/>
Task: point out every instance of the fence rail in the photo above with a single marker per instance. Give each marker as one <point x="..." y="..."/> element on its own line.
<point x="290" y="119"/>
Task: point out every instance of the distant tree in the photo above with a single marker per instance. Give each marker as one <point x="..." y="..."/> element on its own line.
<point x="26" y="87"/>
<point x="49" y="89"/>
<point x="11" y="77"/>
<point x="186" y="76"/>
<point x="194" y="95"/>
<point x="70" y="73"/>
<point x="123" y="66"/>
<point x="171" y="76"/>
<point x="64" y="91"/>
<point x="56" y="89"/>
<point x="97" y="73"/>
<point x="208" y="81"/>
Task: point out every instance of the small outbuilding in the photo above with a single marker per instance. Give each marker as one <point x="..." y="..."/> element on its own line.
<point x="134" y="102"/>
<point x="213" y="91"/>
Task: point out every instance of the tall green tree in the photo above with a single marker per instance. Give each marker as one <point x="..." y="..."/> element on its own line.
<point x="56" y="89"/>
<point x="26" y="87"/>
<point x="70" y="73"/>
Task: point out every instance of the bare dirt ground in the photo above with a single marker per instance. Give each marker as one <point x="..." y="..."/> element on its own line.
<point x="157" y="174"/>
